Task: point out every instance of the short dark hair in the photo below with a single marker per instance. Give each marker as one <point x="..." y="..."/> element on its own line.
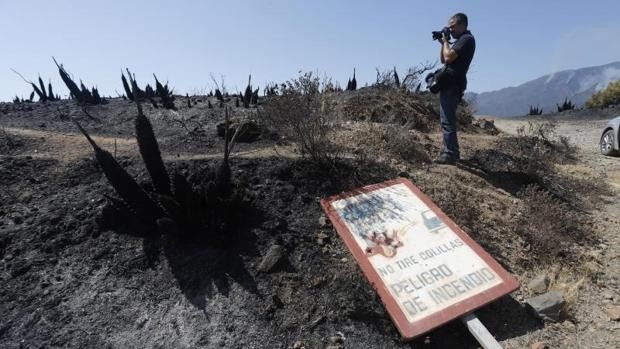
<point x="460" y="18"/>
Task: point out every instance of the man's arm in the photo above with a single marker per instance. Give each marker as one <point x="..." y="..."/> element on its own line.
<point x="448" y="55"/>
<point x="441" y="54"/>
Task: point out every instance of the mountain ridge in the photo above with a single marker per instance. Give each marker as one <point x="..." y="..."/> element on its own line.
<point x="546" y="91"/>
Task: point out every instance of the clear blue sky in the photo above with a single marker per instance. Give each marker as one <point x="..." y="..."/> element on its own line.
<point x="185" y="41"/>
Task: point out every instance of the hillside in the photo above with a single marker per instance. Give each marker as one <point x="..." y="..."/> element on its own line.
<point x="546" y="91"/>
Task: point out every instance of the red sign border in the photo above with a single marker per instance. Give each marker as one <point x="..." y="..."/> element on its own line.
<point x="410" y="330"/>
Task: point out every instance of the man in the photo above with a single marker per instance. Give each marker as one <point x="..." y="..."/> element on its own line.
<point x="458" y="58"/>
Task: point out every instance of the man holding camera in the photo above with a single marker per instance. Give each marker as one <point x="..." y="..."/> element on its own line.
<point x="457" y="59"/>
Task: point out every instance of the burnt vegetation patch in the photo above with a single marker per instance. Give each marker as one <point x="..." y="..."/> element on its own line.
<point x="549" y="226"/>
<point x="198" y="223"/>
<point x="172" y="206"/>
<point x="530" y="158"/>
<point x="504" y="170"/>
<point x="552" y="214"/>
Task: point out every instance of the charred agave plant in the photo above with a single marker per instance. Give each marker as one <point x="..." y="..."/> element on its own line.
<point x="81" y="94"/>
<point x="135" y="93"/>
<point x="567" y="105"/>
<point x="535" y="111"/>
<point x="44" y="95"/>
<point x="165" y="94"/>
<point x="247" y="97"/>
<point x="177" y="208"/>
<point x="162" y="91"/>
<point x="218" y="95"/>
<point x="352" y="83"/>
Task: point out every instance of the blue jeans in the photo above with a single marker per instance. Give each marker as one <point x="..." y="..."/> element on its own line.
<point x="448" y="101"/>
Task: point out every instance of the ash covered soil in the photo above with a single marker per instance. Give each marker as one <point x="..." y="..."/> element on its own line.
<point x="72" y="279"/>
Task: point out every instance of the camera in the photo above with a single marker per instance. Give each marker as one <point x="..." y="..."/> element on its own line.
<point x="440" y="79"/>
<point x="437" y="35"/>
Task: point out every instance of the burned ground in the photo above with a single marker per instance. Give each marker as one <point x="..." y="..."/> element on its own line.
<point x="74" y="277"/>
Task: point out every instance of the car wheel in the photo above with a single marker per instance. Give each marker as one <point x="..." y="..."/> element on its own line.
<point x="607" y="143"/>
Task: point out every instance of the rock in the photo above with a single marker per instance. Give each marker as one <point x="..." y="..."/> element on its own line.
<point x="19" y="270"/>
<point x="317" y="281"/>
<point x="271" y="258"/>
<point x="608" y="295"/>
<point x="539" y="284"/>
<point x="17" y="219"/>
<point x="547" y="306"/>
<point x="487" y="125"/>
<point x="613" y="311"/>
<point x="141" y="321"/>
<point x="298" y="345"/>
<point x="25" y="196"/>
<point x="317" y="321"/>
<point x="321" y="238"/>
<point x="250" y="131"/>
<point x="338" y="338"/>
<point x="322" y="221"/>
<point x="539" y="345"/>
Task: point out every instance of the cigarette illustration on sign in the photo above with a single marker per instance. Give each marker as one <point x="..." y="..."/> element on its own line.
<point x="426" y="270"/>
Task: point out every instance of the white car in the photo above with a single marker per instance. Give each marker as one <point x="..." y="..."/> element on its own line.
<point x="609" y="139"/>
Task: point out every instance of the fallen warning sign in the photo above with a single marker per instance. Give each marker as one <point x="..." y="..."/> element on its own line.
<point x="426" y="269"/>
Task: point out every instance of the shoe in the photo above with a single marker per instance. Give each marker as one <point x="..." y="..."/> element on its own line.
<point x="445" y="159"/>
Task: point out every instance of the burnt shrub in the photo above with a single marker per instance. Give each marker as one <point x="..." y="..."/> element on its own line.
<point x="519" y="161"/>
<point x="305" y="116"/>
<point x="534" y="158"/>
<point x="540" y="142"/>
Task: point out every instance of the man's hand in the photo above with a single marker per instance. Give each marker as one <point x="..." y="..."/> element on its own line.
<point x="445" y="38"/>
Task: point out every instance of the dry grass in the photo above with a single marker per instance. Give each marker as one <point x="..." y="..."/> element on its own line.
<point x="414" y="110"/>
<point x="378" y="141"/>
<point x="406" y="144"/>
<point x="389" y="105"/>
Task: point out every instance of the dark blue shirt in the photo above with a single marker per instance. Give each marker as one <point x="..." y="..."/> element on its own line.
<point x="464" y="47"/>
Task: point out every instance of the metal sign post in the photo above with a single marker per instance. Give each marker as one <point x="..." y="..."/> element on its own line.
<point x="482" y="335"/>
<point x="426" y="270"/>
